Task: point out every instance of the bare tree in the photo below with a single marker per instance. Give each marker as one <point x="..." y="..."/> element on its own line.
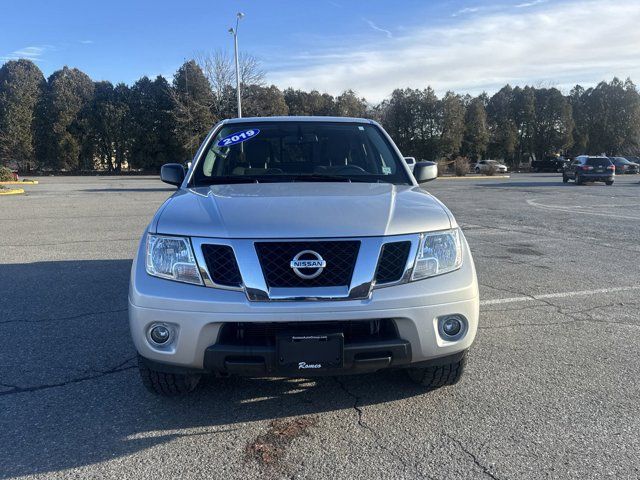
<point x="219" y="68"/>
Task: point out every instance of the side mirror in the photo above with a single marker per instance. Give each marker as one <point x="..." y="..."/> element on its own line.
<point x="411" y="162"/>
<point x="172" y="173"/>
<point x="425" y="171"/>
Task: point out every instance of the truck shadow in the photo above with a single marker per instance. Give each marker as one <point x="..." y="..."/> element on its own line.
<point x="70" y="395"/>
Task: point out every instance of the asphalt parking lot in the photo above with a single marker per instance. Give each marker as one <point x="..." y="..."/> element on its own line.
<point x="551" y="390"/>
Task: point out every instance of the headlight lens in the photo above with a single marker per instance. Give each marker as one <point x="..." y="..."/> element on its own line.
<point x="172" y="258"/>
<point x="440" y="252"/>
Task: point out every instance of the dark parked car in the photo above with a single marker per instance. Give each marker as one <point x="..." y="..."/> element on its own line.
<point x="589" y="169"/>
<point x="549" y="164"/>
<point x="623" y="165"/>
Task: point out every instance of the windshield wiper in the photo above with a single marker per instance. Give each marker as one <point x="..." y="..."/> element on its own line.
<point x="316" y="177"/>
<point x="230" y="179"/>
<point x="337" y="178"/>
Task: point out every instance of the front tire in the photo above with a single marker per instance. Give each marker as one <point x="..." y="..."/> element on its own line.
<point x="565" y="179"/>
<point x="609" y="182"/>
<point x="166" y="384"/>
<point x="438" y="376"/>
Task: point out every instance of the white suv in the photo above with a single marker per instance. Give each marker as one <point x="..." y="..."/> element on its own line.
<point x="300" y="246"/>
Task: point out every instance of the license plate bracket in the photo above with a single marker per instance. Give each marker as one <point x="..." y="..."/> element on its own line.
<point x="310" y="353"/>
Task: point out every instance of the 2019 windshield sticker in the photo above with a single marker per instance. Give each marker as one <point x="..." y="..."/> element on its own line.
<point x="238" y="137"/>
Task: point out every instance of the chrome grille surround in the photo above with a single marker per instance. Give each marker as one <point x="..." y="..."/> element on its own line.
<point x="255" y="286"/>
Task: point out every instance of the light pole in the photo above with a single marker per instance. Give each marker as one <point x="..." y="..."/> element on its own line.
<point x="234" y="32"/>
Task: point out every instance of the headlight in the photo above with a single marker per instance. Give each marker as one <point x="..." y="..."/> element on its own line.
<point x="172" y="258"/>
<point x="440" y="252"/>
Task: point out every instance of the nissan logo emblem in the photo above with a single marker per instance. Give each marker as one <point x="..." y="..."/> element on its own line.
<point x="310" y="261"/>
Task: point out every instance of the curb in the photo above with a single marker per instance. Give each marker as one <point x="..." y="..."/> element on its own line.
<point x="477" y="177"/>
<point x="12" y="191"/>
<point x="26" y="182"/>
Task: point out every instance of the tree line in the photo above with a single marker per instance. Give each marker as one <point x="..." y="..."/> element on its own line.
<point x="70" y="122"/>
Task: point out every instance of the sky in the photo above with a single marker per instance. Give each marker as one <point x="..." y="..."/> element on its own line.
<point x="372" y="47"/>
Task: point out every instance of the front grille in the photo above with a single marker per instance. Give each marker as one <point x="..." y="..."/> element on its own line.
<point x="222" y="265"/>
<point x="261" y="334"/>
<point x="275" y="259"/>
<point x="393" y="260"/>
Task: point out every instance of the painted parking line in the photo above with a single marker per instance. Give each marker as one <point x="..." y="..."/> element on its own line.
<point x="569" y="209"/>
<point x="547" y="296"/>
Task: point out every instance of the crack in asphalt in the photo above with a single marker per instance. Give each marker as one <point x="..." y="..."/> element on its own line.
<point x="120" y="367"/>
<point x="513" y="261"/>
<point x="505" y="290"/>
<point x="486" y="470"/>
<point x="72" y="317"/>
<point x="572" y="314"/>
<point x="545" y="236"/>
<point x="376" y="436"/>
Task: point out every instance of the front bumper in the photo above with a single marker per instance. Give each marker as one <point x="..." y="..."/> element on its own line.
<point x="260" y="361"/>
<point x="198" y="313"/>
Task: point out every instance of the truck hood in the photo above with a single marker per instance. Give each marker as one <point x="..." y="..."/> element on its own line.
<point x="301" y="210"/>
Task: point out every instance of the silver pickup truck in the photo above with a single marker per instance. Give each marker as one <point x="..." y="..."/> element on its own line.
<point x="301" y="246"/>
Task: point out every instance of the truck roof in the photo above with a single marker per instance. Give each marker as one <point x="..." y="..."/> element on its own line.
<point x="299" y="119"/>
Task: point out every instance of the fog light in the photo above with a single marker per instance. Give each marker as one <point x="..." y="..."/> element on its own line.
<point x="160" y="334"/>
<point x="451" y="326"/>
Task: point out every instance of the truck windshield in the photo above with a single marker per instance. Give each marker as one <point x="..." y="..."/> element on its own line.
<point x="290" y="151"/>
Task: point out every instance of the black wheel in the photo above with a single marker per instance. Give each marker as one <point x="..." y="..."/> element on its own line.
<point x="565" y="179"/>
<point x="438" y="375"/>
<point x="166" y="384"/>
<point x="609" y="182"/>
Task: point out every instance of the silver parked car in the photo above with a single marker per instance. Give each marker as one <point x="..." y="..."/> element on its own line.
<point x="300" y="246"/>
<point x="483" y="166"/>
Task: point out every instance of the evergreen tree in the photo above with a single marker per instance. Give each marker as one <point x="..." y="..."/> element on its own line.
<point x="612" y="115"/>
<point x="524" y="117"/>
<point x="193" y="101"/>
<point x="553" y="123"/>
<point x="349" y="105"/>
<point x="453" y="113"/>
<point x="580" y="117"/>
<point x="476" y="132"/>
<point x="61" y="131"/>
<point x="21" y="85"/>
<point x="263" y="101"/>
<point x="502" y="128"/>
<point x="300" y="102"/>
<point x="110" y="124"/>
<point x="154" y="140"/>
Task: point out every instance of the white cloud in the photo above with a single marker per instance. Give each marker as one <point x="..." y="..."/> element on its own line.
<point x="464" y="11"/>
<point x="379" y="29"/>
<point x="86" y="42"/>
<point x="33" y="53"/>
<point x="560" y="44"/>
<point x="533" y="3"/>
<point x="30" y="53"/>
